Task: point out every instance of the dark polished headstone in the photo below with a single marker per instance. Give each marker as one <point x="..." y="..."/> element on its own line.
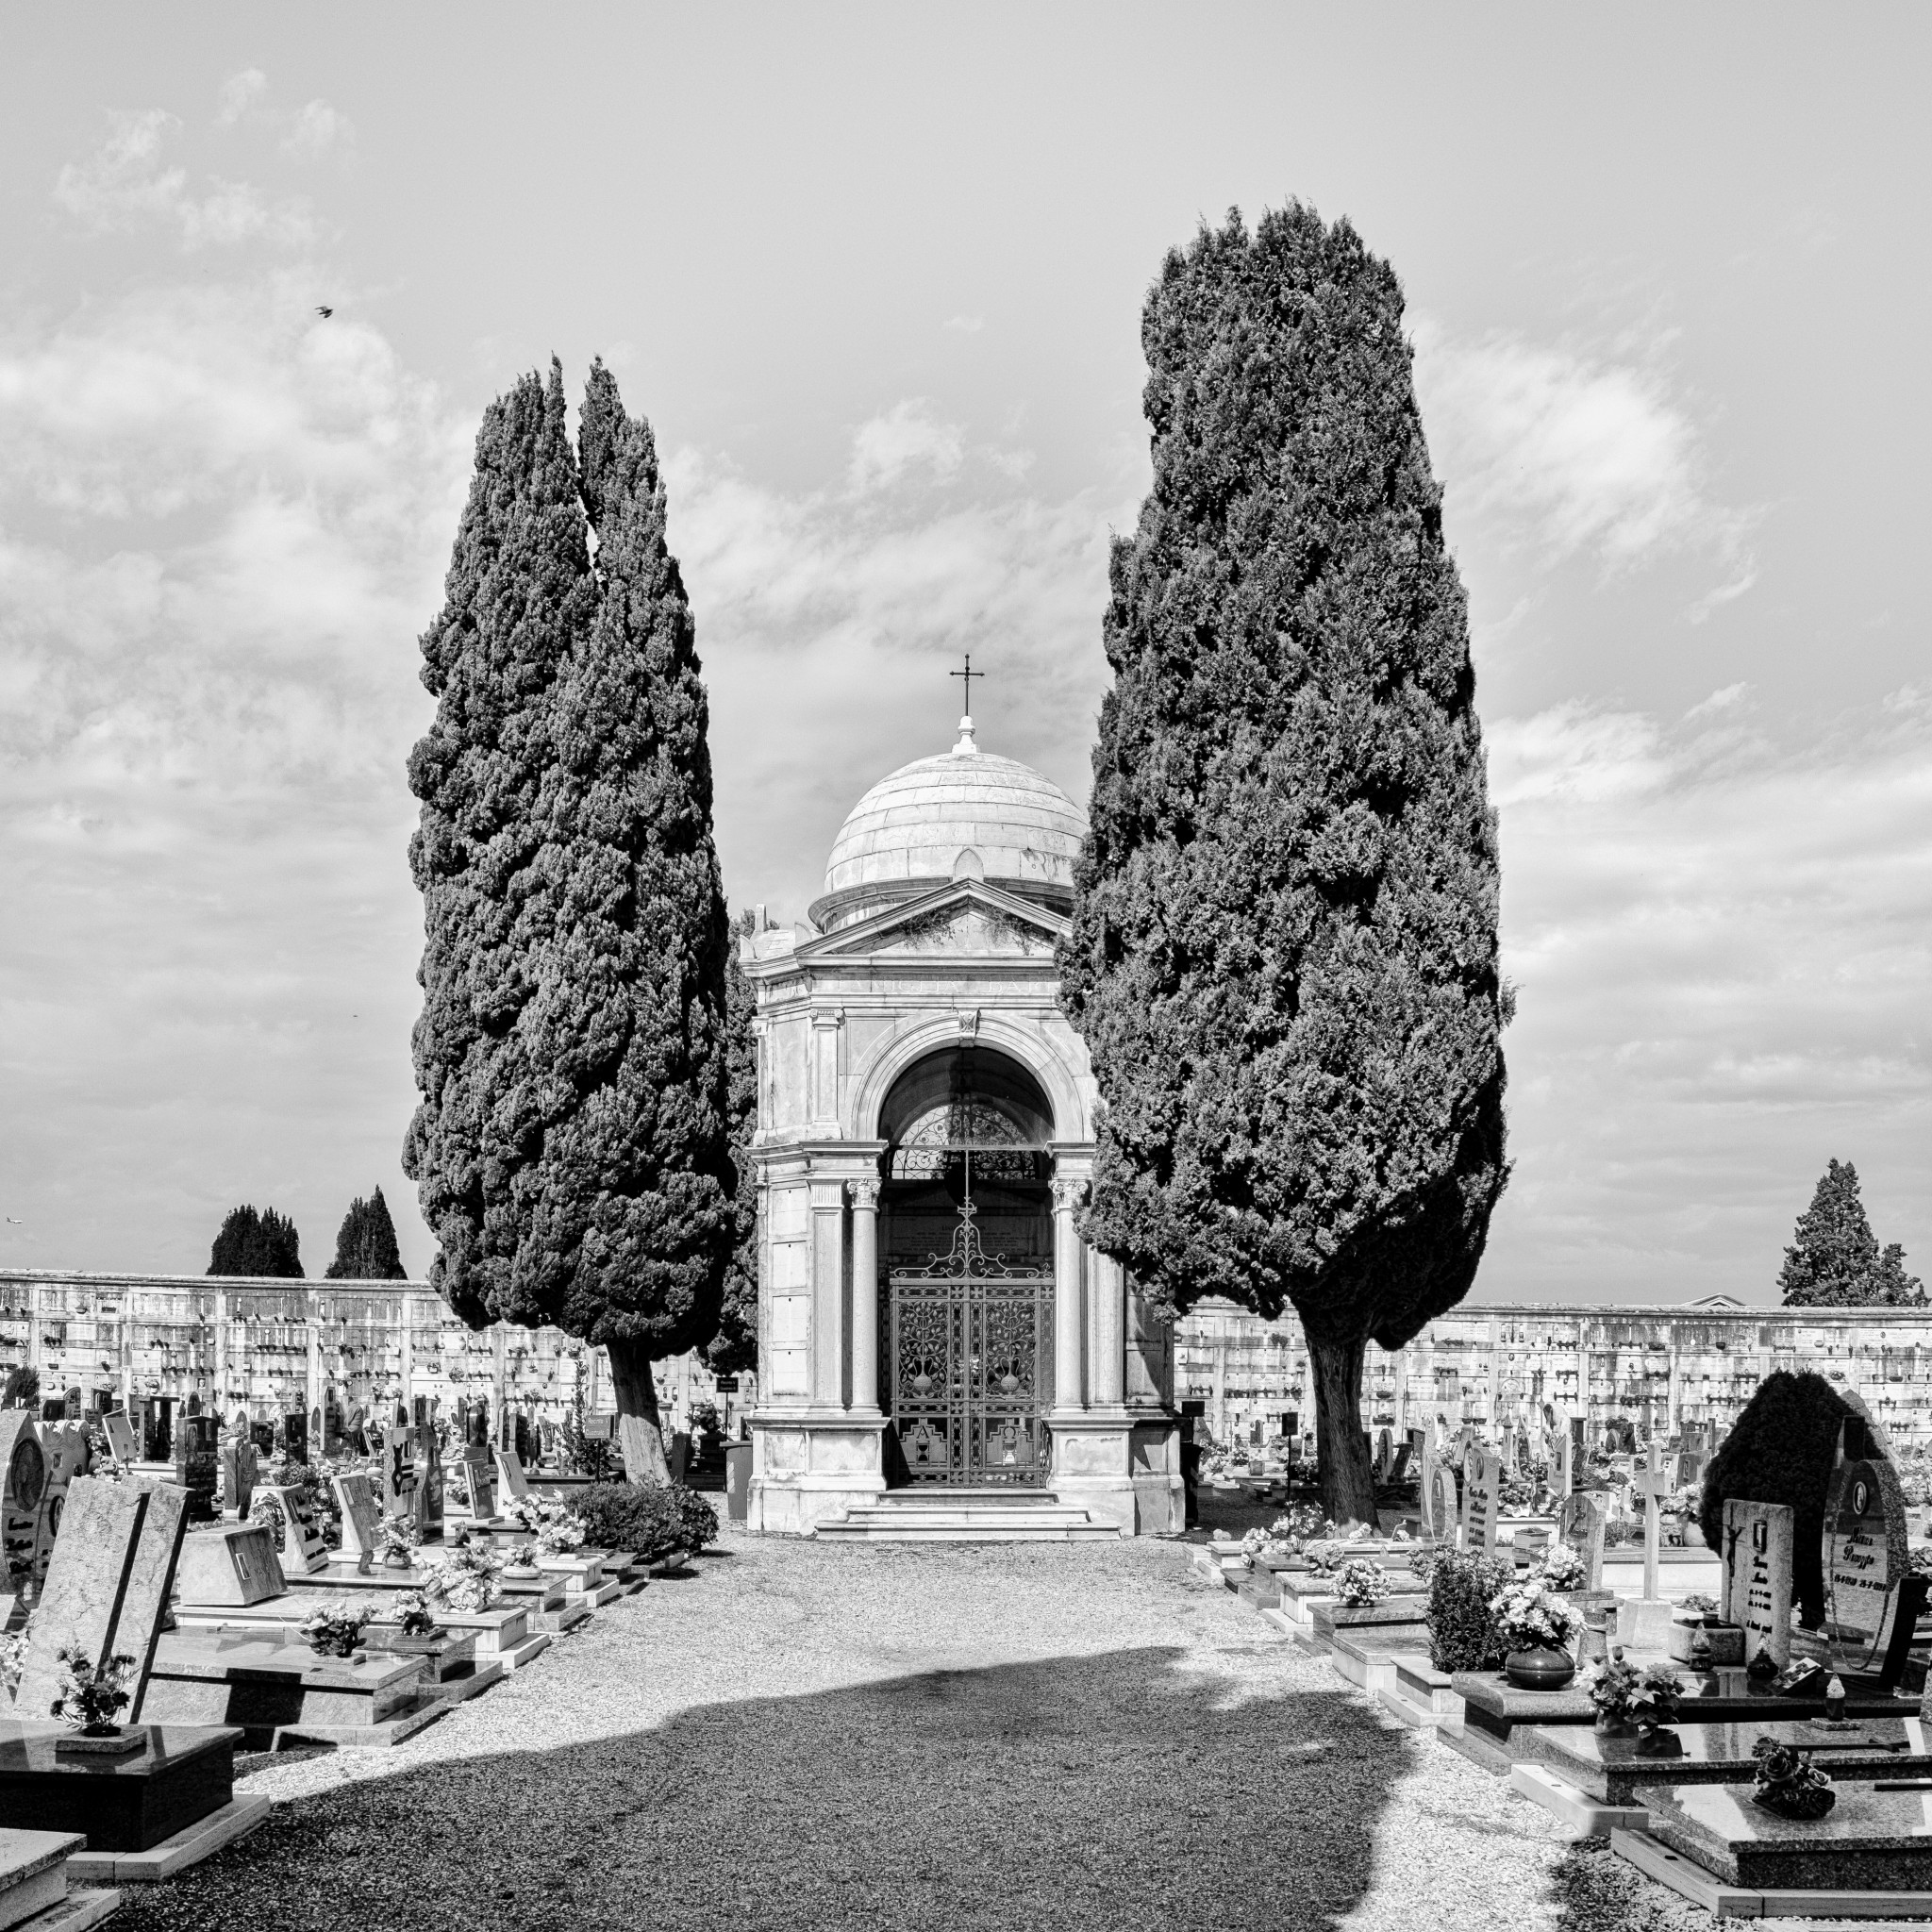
<point x="181" y="1774"/>
<point x="1870" y="1840"/>
<point x="1609" y="1770"/>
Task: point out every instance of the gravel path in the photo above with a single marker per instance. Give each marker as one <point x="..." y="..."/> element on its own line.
<point x="805" y="1736"/>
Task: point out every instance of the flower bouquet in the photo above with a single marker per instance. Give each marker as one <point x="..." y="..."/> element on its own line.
<point x="1789" y="1784"/>
<point x="396" y="1541"/>
<point x="1360" y="1582"/>
<point x="334" y="1629"/>
<point x="522" y="1561"/>
<point x="1534" y="1625"/>
<point x="90" y="1698"/>
<point x="410" y="1611"/>
<point x="1561" y="1569"/>
<point x="466" y="1580"/>
<point x="1642" y="1702"/>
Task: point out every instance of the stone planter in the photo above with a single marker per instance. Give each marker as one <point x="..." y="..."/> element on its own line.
<point x="1541" y="1669"/>
<point x="118" y="1742"/>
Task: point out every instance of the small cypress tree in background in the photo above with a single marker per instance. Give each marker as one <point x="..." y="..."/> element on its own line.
<point x="1284" y="955"/>
<point x="735" y="1347"/>
<point x="573" y="1149"/>
<point x="1834" y="1260"/>
<point x="366" y="1248"/>
<point x="262" y="1244"/>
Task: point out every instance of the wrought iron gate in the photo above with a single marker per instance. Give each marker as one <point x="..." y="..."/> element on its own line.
<point x="972" y="1355"/>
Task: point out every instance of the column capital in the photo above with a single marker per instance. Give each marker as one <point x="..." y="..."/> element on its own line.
<point x="1068" y="1194"/>
<point x="865" y="1195"/>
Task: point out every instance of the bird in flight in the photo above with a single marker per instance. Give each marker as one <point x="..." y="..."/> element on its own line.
<point x="324" y="310"/>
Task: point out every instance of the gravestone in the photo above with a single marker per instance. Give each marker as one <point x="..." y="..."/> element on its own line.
<point x="509" y="1475"/>
<point x="263" y="1436"/>
<point x="1385" y="1455"/>
<point x="1443" y="1512"/>
<point x="1563" y="1471"/>
<point x="121" y="1443"/>
<point x="64" y="1446"/>
<point x="472" y="1488"/>
<point x="240" y="1471"/>
<point x="106" y="1586"/>
<point x="292" y="1523"/>
<point x="362" y="1513"/>
<point x="1580" y="1527"/>
<point x="23" y="1470"/>
<point x="399" y="1483"/>
<point x="1400" y="1469"/>
<point x="429" y="1478"/>
<point x="1482" y="1480"/>
<point x="296" y="1433"/>
<point x="157" y="1429"/>
<point x="1865" y="1554"/>
<point x="230" y="1567"/>
<point x="197" y="1466"/>
<point x="1756" y="1558"/>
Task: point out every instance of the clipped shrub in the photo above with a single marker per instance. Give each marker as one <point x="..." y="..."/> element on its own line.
<point x="1462" y="1628"/>
<point x="646" y="1519"/>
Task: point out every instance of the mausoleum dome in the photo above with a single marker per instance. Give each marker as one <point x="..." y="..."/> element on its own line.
<point x="965" y="814"/>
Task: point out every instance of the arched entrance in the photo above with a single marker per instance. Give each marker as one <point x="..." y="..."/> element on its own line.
<point x="966" y="1311"/>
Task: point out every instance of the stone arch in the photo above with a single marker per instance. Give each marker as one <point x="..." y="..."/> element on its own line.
<point x="912" y="1041"/>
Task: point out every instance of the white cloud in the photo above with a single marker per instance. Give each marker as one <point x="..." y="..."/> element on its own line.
<point x="907" y="437"/>
<point x="1724" y="947"/>
<point x="1565" y="453"/>
<point x="239" y="92"/>
<point x="317" y="129"/>
<point x="966" y="324"/>
<point x="126" y="185"/>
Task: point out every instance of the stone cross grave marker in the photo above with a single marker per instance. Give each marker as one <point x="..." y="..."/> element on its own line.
<point x="1482" y="1480"/>
<point x="509" y="1475"/>
<point x="231" y="1567"/>
<point x="122" y="1442"/>
<point x="1580" y="1524"/>
<point x="1653" y="1484"/>
<point x="1865" y="1548"/>
<point x="1756" y="1557"/>
<point x="108" y="1584"/>
<point x="362" y="1513"/>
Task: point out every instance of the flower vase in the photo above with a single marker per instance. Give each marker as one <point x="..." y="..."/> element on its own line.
<point x="1657" y="1740"/>
<point x="1612" y="1724"/>
<point x="1538" y="1668"/>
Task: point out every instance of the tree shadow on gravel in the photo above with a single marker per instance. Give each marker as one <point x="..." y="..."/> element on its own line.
<point x="1116" y="1793"/>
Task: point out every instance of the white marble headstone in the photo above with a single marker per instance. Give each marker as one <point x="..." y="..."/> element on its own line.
<point x="1482" y="1482"/>
<point x="1756" y="1558"/>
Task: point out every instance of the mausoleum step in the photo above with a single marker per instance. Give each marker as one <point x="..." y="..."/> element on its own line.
<point x="951" y="1517"/>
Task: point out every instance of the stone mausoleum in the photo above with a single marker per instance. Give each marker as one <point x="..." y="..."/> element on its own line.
<point x="930" y="1320"/>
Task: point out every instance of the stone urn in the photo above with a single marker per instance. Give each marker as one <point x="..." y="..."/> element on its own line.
<point x="1541" y="1669"/>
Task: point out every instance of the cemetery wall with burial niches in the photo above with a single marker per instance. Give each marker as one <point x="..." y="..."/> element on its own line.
<point x="269" y="1345"/>
<point x="1491" y="1366"/>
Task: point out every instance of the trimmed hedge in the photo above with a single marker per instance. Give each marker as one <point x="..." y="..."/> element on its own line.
<point x="646" y="1519"/>
<point x="1462" y="1633"/>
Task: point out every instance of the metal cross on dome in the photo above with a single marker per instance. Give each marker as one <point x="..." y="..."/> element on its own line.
<point x="967" y="677"/>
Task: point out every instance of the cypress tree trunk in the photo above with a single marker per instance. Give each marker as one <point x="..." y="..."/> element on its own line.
<point x="640" y="1431"/>
<point x="1348" y="1482"/>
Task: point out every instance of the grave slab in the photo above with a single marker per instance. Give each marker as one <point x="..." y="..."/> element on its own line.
<point x="1608" y="1768"/>
<point x="1404" y="1613"/>
<point x="181" y="1775"/>
<point x="33" y="1872"/>
<point x="1870" y="1840"/>
<point x="494" y="1632"/>
<point x="266" y="1686"/>
<point x="188" y="1846"/>
<point x="236" y="1565"/>
<point x="1576" y="1811"/>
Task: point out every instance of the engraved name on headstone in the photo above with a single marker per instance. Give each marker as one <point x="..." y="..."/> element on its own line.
<point x="1865" y="1554"/>
<point x="1482" y="1480"/>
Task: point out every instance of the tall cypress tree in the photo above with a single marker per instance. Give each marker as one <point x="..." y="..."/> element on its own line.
<point x="1834" y="1260"/>
<point x="1284" y="948"/>
<point x="600" y="1194"/>
<point x="735" y="1344"/>
<point x="366" y="1246"/>
<point x="258" y="1245"/>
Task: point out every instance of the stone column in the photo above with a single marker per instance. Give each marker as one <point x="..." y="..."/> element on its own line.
<point x="1106" y="1331"/>
<point x="1066" y="1378"/>
<point x="827" y="1239"/>
<point x="865" y="1296"/>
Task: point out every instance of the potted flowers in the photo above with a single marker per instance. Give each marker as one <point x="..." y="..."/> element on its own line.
<point x="1630" y="1702"/>
<point x="522" y="1561"/>
<point x="90" y="1698"/>
<point x="466" y="1580"/>
<point x="1787" y="1784"/>
<point x="1360" y="1582"/>
<point x="1561" y="1569"/>
<point x="1535" y="1626"/>
<point x="334" y="1629"/>
<point x="396" y="1539"/>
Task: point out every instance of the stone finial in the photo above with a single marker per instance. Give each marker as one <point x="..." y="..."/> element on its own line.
<point x="966" y="748"/>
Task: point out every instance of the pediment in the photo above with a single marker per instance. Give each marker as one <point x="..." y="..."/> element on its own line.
<point x="964" y="920"/>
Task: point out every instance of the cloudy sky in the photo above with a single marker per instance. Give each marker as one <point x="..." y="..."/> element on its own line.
<point x="875" y="275"/>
